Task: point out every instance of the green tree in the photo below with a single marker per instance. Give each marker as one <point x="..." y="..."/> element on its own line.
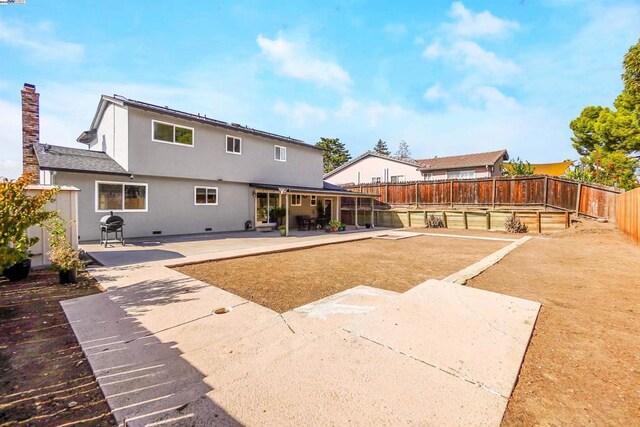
<point x="335" y="153"/>
<point x="381" y="148"/>
<point x="607" y="138"/>
<point x="517" y="167"/>
<point x="403" y="151"/>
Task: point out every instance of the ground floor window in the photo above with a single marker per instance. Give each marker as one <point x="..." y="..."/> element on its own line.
<point x="206" y="196"/>
<point x="397" y="178"/>
<point x="461" y="174"/>
<point x="296" y="200"/>
<point x="265" y="203"/>
<point x="314" y="200"/>
<point x="376" y="180"/>
<point x="120" y="196"/>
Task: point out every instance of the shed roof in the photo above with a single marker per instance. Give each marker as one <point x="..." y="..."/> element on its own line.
<point x="465" y="160"/>
<point x="54" y="157"/>
<point x="327" y="188"/>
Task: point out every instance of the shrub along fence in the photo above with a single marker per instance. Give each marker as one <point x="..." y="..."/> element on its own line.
<point x="537" y="192"/>
<point x="628" y="213"/>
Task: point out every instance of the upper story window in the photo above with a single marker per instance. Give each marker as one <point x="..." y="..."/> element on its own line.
<point x="171" y="134"/>
<point x="397" y="178"/>
<point x="296" y="200"/>
<point x="375" y="180"/>
<point x="280" y="153"/>
<point x="461" y="174"/>
<point x="314" y="200"/>
<point x="120" y="196"/>
<point x="206" y="196"/>
<point x="234" y="145"/>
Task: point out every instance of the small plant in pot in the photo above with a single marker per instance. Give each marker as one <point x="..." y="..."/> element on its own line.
<point x="276" y="214"/>
<point x="283" y="230"/>
<point x="64" y="259"/>
<point x="335" y="225"/>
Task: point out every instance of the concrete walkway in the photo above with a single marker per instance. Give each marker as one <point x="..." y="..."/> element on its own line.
<point x="438" y="354"/>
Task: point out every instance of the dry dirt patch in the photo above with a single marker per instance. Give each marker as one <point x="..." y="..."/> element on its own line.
<point x="583" y="364"/>
<point x="286" y="280"/>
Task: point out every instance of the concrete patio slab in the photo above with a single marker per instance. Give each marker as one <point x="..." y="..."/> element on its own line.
<point x="472" y="334"/>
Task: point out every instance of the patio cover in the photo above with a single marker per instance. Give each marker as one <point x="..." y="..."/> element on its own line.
<point x="327" y="189"/>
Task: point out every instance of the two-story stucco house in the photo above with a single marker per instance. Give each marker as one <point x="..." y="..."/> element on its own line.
<point x="372" y="167"/>
<point x="170" y="172"/>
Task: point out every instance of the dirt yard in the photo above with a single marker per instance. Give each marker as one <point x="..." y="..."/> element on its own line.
<point x="44" y="378"/>
<point x="286" y="280"/>
<point x="583" y="363"/>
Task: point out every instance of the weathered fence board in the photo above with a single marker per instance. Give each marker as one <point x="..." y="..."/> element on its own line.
<point x="628" y="213"/>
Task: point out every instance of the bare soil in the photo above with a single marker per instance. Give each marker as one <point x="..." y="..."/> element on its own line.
<point x="286" y="280"/>
<point x="583" y="363"/>
<point x="44" y="377"/>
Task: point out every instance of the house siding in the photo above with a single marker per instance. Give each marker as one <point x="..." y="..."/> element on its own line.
<point x="480" y="172"/>
<point x="370" y="167"/>
<point x="112" y="134"/>
<point x="171" y="207"/>
<point x="208" y="159"/>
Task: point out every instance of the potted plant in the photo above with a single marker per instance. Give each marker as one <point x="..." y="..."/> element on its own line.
<point x="64" y="259"/>
<point x="18" y="212"/>
<point x="276" y="214"/>
<point x="335" y="225"/>
<point x="283" y="230"/>
<point x="342" y="227"/>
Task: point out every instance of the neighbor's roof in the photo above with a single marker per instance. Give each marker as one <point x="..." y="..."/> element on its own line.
<point x="327" y="188"/>
<point x="54" y="157"/>
<point x="464" y="160"/>
<point x="366" y="154"/>
<point x="121" y="100"/>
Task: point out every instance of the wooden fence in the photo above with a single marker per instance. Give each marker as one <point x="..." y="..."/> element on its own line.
<point x="628" y="213"/>
<point x="526" y="192"/>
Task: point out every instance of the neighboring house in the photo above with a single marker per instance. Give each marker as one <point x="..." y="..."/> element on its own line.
<point x="170" y="172"/>
<point x="478" y="165"/>
<point x="374" y="167"/>
<point x="551" y="169"/>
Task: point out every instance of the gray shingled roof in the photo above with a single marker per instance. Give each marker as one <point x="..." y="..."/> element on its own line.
<point x="54" y="157"/>
<point x="465" y="160"/>
<point x="327" y="188"/>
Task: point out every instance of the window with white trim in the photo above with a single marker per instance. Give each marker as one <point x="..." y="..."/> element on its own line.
<point x="169" y="133"/>
<point x="376" y="180"/>
<point x="313" y="201"/>
<point x="397" y="178"/>
<point x="428" y="177"/>
<point x="234" y="145"/>
<point x="205" y="196"/>
<point x="280" y="153"/>
<point x="466" y="174"/>
<point x="121" y="196"/>
<point x="296" y="200"/>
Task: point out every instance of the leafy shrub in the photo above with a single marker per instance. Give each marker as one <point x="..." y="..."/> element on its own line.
<point x="434" y="222"/>
<point x="514" y="225"/>
<point x="335" y="224"/>
<point x="62" y="255"/>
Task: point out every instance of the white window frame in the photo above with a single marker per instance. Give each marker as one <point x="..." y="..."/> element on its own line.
<point x="376" y="180"/>
<point x="313" y="200"/>
<point x="400" y="178"/>
<point x="146" y="199"/>
<point x="193" y="134"/>
<point x="459" y="174"/>
<point x="282" y="150"/>
<point x="428" y="176"/>
<point x="226" y="145"/>
<point x="195" y="192"/>
<point x="298" y="196"/>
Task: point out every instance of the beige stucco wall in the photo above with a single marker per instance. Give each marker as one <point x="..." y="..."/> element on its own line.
<point x="370" y="167"/>
<point x="480" y="172"/>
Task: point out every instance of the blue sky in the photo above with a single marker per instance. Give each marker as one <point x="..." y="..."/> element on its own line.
<point x="446" y="77"/>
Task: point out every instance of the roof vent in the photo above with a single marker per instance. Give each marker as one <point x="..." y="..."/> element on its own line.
<point x="235" y="125"/>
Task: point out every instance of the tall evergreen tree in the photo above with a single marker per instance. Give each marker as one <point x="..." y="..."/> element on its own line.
<point x="403" y="152"/>
<point x="608" y="138"/>
<point x="381" y="148"/>
<point x="335" y="153"/>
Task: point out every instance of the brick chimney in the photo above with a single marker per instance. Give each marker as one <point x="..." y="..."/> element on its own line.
<point x="30" y="129"/>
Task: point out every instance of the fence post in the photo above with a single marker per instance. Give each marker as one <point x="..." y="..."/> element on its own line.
<point x="386" y="193"/>
<point x="488" y="220"/>
<point x="409" y="218"/>
<point x="546" y="189"/>
<point x="493" y="194"/>
<point x="578" y="198"/>
<point x="539" y="221"/>
<point x="464" y="217"/>
<point x="444" y="219"/>
<point x="416" y="194"/>
<point x="451" y="192"/>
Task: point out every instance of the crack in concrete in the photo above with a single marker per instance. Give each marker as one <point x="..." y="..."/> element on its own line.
<point x="449" y="371"/>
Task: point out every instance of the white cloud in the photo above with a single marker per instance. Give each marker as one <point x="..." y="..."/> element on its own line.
<point x="434" y="50"/>
<point x="40" y="42"/>
<point x="293" y="60"/>
<point x="395" y="31"/>
<point x="435" y="93"/>
<point x="471" y="24"/>
<point x="472" y="55"/>
<point x="347" y="108"/>
<point x="10" y="168"/>
<point x="493" y="99"/>
<point x="299" y="113"/>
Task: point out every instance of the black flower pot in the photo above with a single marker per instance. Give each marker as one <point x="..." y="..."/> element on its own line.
<point x="18" y="271"/>
<point x="68" y="276"/>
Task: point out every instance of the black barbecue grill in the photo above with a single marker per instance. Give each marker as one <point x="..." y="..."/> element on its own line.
<point x="111" y="224"/>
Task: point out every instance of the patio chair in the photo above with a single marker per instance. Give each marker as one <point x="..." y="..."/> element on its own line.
<point x="302" y="223"/>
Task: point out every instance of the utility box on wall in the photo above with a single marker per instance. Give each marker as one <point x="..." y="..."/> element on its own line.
<point x="66" y="203"/>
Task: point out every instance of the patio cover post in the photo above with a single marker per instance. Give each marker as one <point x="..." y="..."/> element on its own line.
<point x="338" y="207"/>
<point x="372" y="206"/>
<point x="356" y="211"/>
<point x="286" y="215"/>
